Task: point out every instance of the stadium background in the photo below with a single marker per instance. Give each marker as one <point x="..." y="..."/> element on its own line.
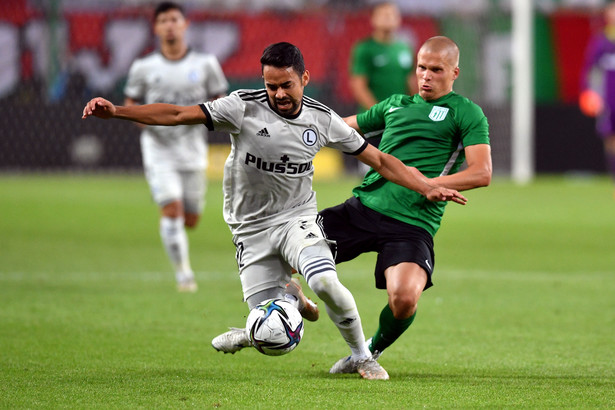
<point x="57" y="54"/>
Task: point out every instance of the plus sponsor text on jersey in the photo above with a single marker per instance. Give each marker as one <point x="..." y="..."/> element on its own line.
<point x="284" y="166"/>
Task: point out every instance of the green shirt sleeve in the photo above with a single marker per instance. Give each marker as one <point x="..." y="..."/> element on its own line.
<point x="473" y="125"/>
<point x="372" y="120"/>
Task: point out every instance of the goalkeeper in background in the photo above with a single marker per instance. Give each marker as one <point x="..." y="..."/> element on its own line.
<point x="434" y="131"/>
<point x="597" y="97"/>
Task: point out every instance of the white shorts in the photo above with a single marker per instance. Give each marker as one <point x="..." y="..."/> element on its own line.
<point x="188" y="186"/>
<point x="265" y="258"/>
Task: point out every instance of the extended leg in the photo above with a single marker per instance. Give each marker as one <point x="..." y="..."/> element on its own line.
<point x="317" y="266"/>
<point x="175" y="241"/>
<point x="405" y="284"/>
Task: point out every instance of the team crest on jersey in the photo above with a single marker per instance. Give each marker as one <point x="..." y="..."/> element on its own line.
<point x="309" y="137"/>
<point x="438" y="113"/>
<point x="193" y="76"/>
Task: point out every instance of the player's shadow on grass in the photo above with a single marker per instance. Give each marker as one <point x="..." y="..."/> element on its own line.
<point x="498" y="377"/>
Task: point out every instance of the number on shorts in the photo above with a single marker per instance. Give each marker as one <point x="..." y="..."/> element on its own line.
<point x="239" y="254"/>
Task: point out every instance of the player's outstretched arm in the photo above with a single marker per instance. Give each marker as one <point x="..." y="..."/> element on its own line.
<point x="395" y="171"/>
<point x="151" y="114"/>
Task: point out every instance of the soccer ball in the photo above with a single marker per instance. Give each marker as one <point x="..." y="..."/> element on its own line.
<point x="275" y="327"/>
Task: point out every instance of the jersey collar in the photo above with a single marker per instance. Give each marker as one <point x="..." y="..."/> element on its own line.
<point x="188" y="51"/>
<point x="444" y="97"/>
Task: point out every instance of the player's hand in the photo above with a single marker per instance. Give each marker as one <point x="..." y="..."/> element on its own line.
<point x="99" y="107"/>
<point x="446" y="194"/>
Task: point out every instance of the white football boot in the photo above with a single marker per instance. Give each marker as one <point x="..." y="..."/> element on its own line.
<point x="232" y="341"/>
<point x="368" y="368"/>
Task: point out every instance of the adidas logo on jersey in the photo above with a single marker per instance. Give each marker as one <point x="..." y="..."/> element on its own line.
<point x="263" y="133"/>
<point x="310" y="236"/>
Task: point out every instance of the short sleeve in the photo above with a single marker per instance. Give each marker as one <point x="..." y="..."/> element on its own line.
<point x="216" y="82"/>
<point x="343" y="137"/>
<point x="135" y="82"/>
<point x="372" y="120"/>
<point x="226" y="113"/>
<point x="474" y="126"/>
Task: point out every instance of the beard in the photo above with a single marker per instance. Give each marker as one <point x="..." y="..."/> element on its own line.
<point x="285" y="107"/>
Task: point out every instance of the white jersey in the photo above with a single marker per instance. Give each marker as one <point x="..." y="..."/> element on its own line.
<point x="188" y="81"/>
<point x="268" y="174"/>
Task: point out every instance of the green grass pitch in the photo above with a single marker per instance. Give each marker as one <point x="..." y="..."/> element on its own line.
<point x="522" y="313"/>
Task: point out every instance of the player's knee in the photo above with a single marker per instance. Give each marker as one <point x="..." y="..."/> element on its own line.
<point x="324" y="285"/>
<point x="191" y="220"/>
<point x="173" y="210"/>
<point x="403" y="305"/>
<point x="318" y="268"/>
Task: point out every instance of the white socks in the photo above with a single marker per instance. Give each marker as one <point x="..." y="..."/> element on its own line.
<point x="175" y="241"/>
<point x="317" y="266"/>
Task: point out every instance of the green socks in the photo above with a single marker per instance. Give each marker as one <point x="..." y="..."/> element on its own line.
<point x="389" y="330"/>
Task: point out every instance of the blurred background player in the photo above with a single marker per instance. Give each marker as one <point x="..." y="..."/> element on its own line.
<point x="381" y="65"/>
<point x="174" y="158"/>
<point x="597" y="97"/>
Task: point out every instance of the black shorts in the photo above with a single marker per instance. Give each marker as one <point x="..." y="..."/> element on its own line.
<point x="358" y="229"/>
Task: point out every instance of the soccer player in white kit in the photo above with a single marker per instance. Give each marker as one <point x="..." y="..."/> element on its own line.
<point x="269" y="203"/>
<point x="174" y="158"/>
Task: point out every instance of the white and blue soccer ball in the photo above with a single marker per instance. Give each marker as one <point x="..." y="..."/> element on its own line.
<point x="275" y="327"/>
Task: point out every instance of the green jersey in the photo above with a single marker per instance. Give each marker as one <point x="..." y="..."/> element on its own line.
<point x="430" y="136"/>
<point x="386" y="66"/>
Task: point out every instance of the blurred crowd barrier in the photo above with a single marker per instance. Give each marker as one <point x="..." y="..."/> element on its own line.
<point x="56" y="55"/>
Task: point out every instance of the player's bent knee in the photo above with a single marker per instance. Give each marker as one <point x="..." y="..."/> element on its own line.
<point x="173" y="210"/>
<point x="323" y="285"/>
<point x="403" y="305"/>
<point x="318" y="269"/>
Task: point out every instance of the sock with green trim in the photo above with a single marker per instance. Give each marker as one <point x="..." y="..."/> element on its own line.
<point x="389" y="329"/>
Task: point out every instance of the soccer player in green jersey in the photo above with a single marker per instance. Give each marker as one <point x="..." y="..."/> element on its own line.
<point x="434" y="130"/>
<point x="381" y="65"/>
